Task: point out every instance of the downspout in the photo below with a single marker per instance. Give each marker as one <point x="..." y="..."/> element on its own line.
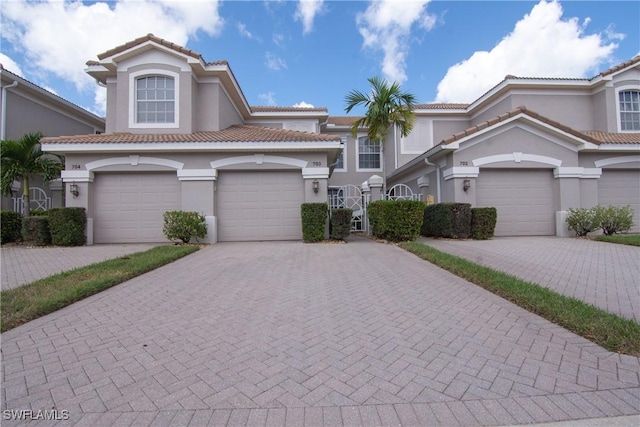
<point x="4" y="108"/>
<point x="395" y="145"/>
<point x="438" y="194"/>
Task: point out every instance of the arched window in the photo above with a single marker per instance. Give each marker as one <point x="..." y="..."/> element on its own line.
<point x="155" y="99"/>
<point x="629" y="102"/>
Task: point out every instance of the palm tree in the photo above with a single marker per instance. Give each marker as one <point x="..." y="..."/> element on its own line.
<point x="387" y="106"/>
<point x="22" y="159"/>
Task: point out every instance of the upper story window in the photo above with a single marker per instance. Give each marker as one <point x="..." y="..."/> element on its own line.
<point x="341" y="164"/>
<point x="155" y="99"/>
<point x="369" y="153"/>
<point x="629" y="103"/>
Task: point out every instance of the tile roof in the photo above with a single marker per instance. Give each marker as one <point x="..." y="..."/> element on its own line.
<point x="235" y="133"/>
<point x="149" y="37"/>
<point x="276" y="109"/>
<point x="342" y="120"/>
<point x="634" y="60"/>
<point x="594" y="137"/>
<point x="441" y="106"/>
<point x="614" y="138"/>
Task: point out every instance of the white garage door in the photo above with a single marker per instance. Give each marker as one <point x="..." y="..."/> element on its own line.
<point x="259" y="206"/>
<point x="523" y="199"/>
<point x="621" y="188"/>
<point x="129" y="207"/>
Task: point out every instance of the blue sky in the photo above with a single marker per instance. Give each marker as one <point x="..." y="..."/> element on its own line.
<point x="313" y="52"/>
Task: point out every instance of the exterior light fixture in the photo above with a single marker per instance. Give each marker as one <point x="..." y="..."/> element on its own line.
<point x="316" y="186"/>
<point x="73" y="189"/>
<point x="466" y="184"/>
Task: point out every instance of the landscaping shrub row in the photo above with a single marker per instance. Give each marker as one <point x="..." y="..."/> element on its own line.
<point x="314" y="221"/>
<point x="610" y="219"/>
<point x="59" y="226"/>
<point x="395" y="220"/>
<point x="459" y="221"/>
<point x="340" y="223"/>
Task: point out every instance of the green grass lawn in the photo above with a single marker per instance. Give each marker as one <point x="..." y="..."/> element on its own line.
<point x="25" y="303"/>
<point x="623" y="239"/>
<point x="605" y="329"/>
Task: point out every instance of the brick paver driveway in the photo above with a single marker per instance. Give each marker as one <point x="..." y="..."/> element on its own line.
<point x="603" y="274"/>
<point x="288" y="333"/>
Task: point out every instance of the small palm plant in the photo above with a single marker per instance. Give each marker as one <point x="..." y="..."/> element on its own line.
<point x="387" y="106"/>
<point x="21" y="160"/>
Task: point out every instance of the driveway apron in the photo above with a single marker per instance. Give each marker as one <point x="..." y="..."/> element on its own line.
<point x="287" y="333"/>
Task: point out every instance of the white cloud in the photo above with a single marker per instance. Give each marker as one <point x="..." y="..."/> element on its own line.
<point x="542" y="44"/>
<point x="303" y="104"/>
<point x="386" y="25"/>
<point x="274" y="62"/>
<point x="242" y="29"/>
<point x="10" y="64"/>
<point x="306" y="12"/>
<point x="268" y="98"/>
<point x="278" y="39"/>
<point x="58" y="37"/>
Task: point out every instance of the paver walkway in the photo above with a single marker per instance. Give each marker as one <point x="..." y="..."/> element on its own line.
<point x="293" y="334"/>
<point x="604" y="274"/>
<point x="23" y="264"/>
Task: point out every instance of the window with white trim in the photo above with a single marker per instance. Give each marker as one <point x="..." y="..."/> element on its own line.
<point x="155" y="99"/>
<point x="629" y="103"/>
<point x="369" y="153"/>
<point x="340" y="163"/>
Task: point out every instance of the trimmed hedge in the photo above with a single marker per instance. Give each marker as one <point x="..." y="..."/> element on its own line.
<point x="341" y="223"/>
<point x="184" y="225"/>
<point x="450" y="220"/>
<point x="68" y="226"/>
<point x="314" y="221"/>
<point x="10" y="226"/>
<point x="483" y="223"/>
<point x="35" y="230"/>
<point x="396" y="220"/>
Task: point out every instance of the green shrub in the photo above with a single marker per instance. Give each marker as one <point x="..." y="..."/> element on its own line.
<point x="340" y="223"/>
<point x="582" y="220"/>
<point x="184" y="225"/>
<point x="35" y="230"/>
<point x="396" y="220"/>
<point x="314" y="221"/>
<point x="614" y="219"/>
<point x="10" y="226"/>
<point x="483" y="223"/>
<point x="38" y="212"/>
<point x="68" y="226"/>
<point x="450" y="220"/>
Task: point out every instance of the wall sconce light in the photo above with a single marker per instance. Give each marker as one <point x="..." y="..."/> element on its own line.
<point x="315" y="185"/>
<point x="466" y="184"/>
<point x="73" y="189"/>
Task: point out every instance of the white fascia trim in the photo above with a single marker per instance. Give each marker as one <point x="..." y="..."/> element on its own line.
<point x="616" y="160"/>
<point x="77" y="176"/>
<point x="197" y="175"/>
<point x="619" y="147"/>
<point x="188" y="146"/>
<point x="134" y="160"/>
<point x="460" y="172"/>
<point x="259" y="159"/>
<point x="311" y="173"/>
<point x="576" y="172"/>
<point x="288" y="114"/>
<point x="516" y="158"/>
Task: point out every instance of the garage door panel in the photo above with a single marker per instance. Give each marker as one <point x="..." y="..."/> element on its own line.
<point x="621" y="187"/>
<point x="259" y="205"/>
<point x="523" y="199"/>
<point x="130" y="207"/>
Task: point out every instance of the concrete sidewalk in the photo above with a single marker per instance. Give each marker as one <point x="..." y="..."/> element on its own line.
<point x="603" y="274"/>
<point x="22" y="264"/>
<point x="286" y="333"/>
